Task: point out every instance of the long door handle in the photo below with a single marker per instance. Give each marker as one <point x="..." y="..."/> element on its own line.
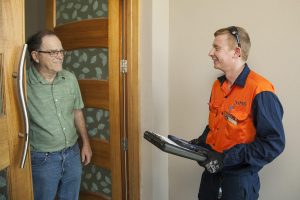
<point x="22" y="101"/>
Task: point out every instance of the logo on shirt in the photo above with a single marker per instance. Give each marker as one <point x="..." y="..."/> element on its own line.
<point x="237" y="103"/>
<point x="240" y="103"/>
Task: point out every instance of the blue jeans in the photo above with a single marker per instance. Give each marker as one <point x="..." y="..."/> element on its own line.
<point x="56" y="174"/>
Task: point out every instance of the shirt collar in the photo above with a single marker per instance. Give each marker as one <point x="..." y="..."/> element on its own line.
<point x="35" y="77"/>
<point x="241" y="79"/>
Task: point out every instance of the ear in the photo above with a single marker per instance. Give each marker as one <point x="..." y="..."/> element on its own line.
<point x="238" y="52"/>
<point x="35" y="56"/>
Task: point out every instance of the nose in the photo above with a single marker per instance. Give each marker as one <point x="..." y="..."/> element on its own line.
<point x="210" y="53"/>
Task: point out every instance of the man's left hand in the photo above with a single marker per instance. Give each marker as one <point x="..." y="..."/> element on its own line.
<point x="86" y="154"/>
<point x="214" y="161"/>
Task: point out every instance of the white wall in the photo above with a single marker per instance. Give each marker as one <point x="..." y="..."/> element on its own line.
<point x="274" y="28"/>
<point x="154" y="96"/>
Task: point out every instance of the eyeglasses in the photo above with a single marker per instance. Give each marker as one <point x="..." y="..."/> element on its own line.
<point x="234" y="31"/>
<point x="54" y="53"/>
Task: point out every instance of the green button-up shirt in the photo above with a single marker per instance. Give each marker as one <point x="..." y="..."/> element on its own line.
<point x="51" y="110"/>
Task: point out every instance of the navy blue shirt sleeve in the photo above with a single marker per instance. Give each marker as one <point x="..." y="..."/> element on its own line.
<point x="270" y="139"/>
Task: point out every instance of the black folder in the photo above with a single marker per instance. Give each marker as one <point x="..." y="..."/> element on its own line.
<point x="177" y="146"/>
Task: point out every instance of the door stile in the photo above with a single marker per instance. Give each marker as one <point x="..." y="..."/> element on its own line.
<point x="114" y="95"/>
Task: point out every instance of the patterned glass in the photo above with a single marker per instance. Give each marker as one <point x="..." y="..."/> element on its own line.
<point x="97" y="122"/>
<point x="76" y="10"/>
<point x="3" y="185"/>
<point x="95" y="179"/>
<point x="89" y="63"/>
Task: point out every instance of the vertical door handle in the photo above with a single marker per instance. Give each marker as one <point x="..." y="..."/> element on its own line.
<point x="20" y="78"/>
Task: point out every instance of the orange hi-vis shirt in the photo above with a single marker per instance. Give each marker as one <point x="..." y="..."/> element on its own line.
<point x="230" y="111"/>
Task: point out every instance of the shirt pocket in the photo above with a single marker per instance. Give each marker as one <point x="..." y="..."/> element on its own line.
<point x="67" y="100"/>
<point x="238" y="127"/>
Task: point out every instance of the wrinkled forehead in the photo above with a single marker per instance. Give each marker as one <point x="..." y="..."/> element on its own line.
<point x="51" y="42"/>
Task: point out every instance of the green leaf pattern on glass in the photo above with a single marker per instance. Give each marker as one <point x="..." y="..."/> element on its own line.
<point x="97" y="123"/>
<point x="75" y="10"/>
<point x="96" y="180"/>
<point x="3" y="185"/>
<point x="89" y="63"/>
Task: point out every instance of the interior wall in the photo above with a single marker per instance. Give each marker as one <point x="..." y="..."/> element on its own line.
<point x="35" y="16"/>
<point x="35" y="19"/>
<point x="273" y="27"/>
<point x="154" y="96"/>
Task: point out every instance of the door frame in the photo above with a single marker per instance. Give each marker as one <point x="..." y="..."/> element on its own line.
<point x="133" y="101"/>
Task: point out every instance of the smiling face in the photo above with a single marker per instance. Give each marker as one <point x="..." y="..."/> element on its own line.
<point x="50" y="64"/>
<point x="222" y="53"/>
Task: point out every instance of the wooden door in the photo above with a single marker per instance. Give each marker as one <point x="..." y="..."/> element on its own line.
<point x="17" y="181"/>
<point x="90" y="32"/>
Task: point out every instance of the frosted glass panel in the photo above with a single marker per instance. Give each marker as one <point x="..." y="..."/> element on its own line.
<point x="89" y="63"/>
<point x="75" y="10"/>
<point x="3" y="185"/>
<point x="96" y="179"/>
<point x="97" y="122"/>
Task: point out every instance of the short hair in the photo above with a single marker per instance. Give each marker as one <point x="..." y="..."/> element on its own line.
<point x="243" y="36"/>
<point x="34" y="42"/>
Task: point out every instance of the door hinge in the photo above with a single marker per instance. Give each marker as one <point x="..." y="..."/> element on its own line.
<point x="124" y="66"/>
<point x="125" y="144"/>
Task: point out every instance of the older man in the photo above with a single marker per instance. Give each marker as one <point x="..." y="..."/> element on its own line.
<point x="54" y="105"/>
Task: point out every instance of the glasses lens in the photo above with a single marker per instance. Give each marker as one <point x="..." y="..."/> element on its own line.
<point x="57" y="53"/>
<point x="62" y="52"/>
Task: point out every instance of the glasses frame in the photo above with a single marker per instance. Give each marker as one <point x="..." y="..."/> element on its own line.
<point x="234" y="31"/>
<point x="54" y="53"/>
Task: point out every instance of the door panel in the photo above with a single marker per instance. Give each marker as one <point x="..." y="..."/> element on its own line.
<point x="95" y="36"/>
<point x="89" y="30"/>
<point x="95" y="93"/>
<point x="11" y="145"/>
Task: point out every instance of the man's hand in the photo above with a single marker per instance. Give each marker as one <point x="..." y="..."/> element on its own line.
<point x="86" y="154"/>
<point x="214" y="161"/>
<point x="86" y="151"/>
